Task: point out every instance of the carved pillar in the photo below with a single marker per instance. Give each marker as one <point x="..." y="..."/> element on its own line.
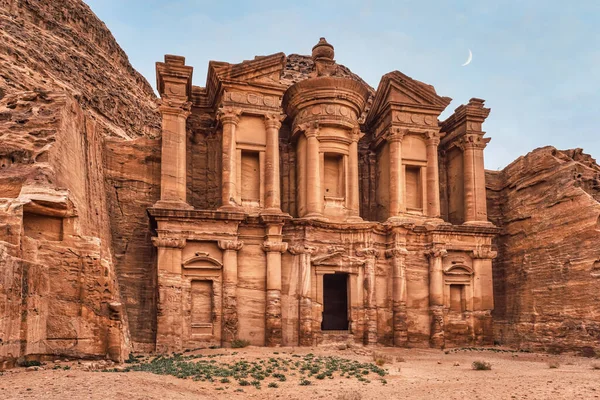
<point x="397" y="205"/>
<point x="371" y="255"/>
<point x="314" y="195"/>
<point x="436" y="296"/>
<point x="305" y="336"/>
<point x="229" y="118"/>
<point x="169" y="329"/>
<point x="475" y="204"/>
<point x="174" y="83"/>
<point x="353" y="200"/>
<point x="173" y="175"/>
<point x="273" y="327"/>
<point x="272" y="184"/>
<point x="399" y="295"/>
<point x="483" y="294"/>
<point x="230" y="280"/>
<point x="433" y="181"/>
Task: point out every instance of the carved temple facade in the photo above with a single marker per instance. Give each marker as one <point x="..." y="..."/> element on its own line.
<point x="301" y="206"/>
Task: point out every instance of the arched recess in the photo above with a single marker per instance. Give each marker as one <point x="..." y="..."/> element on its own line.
<point x="202" y="260"/>
<point x="458" y="288"/>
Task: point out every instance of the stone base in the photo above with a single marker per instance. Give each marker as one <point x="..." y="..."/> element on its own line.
<point x="173" y="204"/>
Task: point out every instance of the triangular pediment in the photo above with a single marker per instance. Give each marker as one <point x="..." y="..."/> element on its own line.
<point x="399" y="89"/>
<point x="265" y="69"/>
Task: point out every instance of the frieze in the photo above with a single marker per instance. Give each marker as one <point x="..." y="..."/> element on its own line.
<point x="176" y="243"/>
<point x="336" y="110"/>
<point x="253" y="99"/>
<point x="418" y="119"/>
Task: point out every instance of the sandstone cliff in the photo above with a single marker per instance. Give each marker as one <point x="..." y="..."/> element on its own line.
<point x="547" y="274"/>
<point x="67" y="95"/>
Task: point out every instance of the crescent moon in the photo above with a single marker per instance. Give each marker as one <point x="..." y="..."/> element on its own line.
<point x="469" y="59"/>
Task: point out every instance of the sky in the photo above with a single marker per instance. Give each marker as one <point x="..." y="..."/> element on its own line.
<point x="536" y="63"/>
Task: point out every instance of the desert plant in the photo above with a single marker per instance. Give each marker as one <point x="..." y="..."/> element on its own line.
<point x="553" y="364"/>
<point x="273" y="385"/>
<point x="596" y="366"/>
<point x="304" y="382"/>
<point x="29" y="363"/>
<point x="349" y="396"/>
<point x="481" y="365"/>
<point x="382" y="359"/>
<point x="239" y="343"/>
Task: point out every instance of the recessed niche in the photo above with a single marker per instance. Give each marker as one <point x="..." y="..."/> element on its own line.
<point x="43" y="227"/>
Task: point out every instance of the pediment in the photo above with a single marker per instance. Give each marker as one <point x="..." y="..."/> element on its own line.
<point x="399" y="89"/>
<point x="266" y="70"/>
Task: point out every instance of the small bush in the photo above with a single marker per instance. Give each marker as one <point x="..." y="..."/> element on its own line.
<point x="30" y="363"/>
<point x="273" y="385"/>
<point x="381" y="359"/>
<point x="304" y="382"/>
<point x="239" y="343"/>
<point x="349" y="396"/>
<point x="553" y="364"/>
<point x="243" y="382"/>
<point x="596" y="366"/>
<point x="481" y="366"/>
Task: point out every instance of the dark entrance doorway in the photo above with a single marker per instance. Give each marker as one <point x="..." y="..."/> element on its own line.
<point x="335" y="302"/>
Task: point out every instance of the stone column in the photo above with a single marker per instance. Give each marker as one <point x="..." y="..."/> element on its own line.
<point x="314" y="195"/>
<point x="230" y="280"/>
<point x="436" y="296"/>
<point x="273" y="323"/>
<point x="305" y="336"/>
<point x="272" y="184"/>
<point x="169" y="324"/>
<point x="475" y="204"/>
<point x="229" y="118"/>
<point x="173" y="175"/>
<point x="399" y="295"/>
<point x="353" y="200"/>
<point x="397" y="205"/>
<point x="483" y="294"/>
<point x="371" y="255"/>
<point x="433" y="181"/>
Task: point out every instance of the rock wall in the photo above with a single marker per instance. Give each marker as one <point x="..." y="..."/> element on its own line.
<point x="547" y="273"/>
<point x="71" y="104"/>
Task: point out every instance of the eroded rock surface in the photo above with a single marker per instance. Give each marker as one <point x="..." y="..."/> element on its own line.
<point x="65" y="87"/>
<point x="547" y="274"/>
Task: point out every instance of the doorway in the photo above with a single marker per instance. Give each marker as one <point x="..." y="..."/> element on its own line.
<point x="335" y="302"/>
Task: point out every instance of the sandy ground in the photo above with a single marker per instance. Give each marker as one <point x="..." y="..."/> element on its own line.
<point x="424" y="374"/>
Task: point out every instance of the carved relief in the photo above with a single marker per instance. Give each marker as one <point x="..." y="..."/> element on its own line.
<point x="176" y="243"/>
<point x="234" y="245"/>
<point x="280" y="247"/>
<point x="253" y="99"/>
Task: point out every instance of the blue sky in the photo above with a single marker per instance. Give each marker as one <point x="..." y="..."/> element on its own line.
<point x="536" y="63"/>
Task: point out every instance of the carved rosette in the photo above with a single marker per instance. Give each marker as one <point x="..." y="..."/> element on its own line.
<point x="169" y="242"/>
<point x="229" y="115"/>
<point x="233" y="245"/>
<point x="280" y="247"/>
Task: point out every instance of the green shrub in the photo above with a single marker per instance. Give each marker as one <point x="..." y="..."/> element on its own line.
<point x="273" y="385"/>
<point x="304" y="382"/>
<point x="30" y="363"/>
<point x="481" y="366"/>
<point x="239" y="343"/>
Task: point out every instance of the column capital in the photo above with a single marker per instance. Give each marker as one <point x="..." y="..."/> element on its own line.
<point x="310" y="129"/>
<point x="356" y="134"/>
<point x="432" y="138"/>
<point x="175" y="243"/>
<point x="274" y="120"/>
<point x="436" y="252"/>
<point x="301" y="249"/>
<point x="396" y="134"/>
<point x="472" y="141"/>
<point x="175" y="107"/>
<point x="233" y="244"/>
<point x="484" y="253"/>
<point x="229" y="115"/>
<point x="369" y="252"/>
<point x="280" y="247"/>
<point x="396" y="252"/>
